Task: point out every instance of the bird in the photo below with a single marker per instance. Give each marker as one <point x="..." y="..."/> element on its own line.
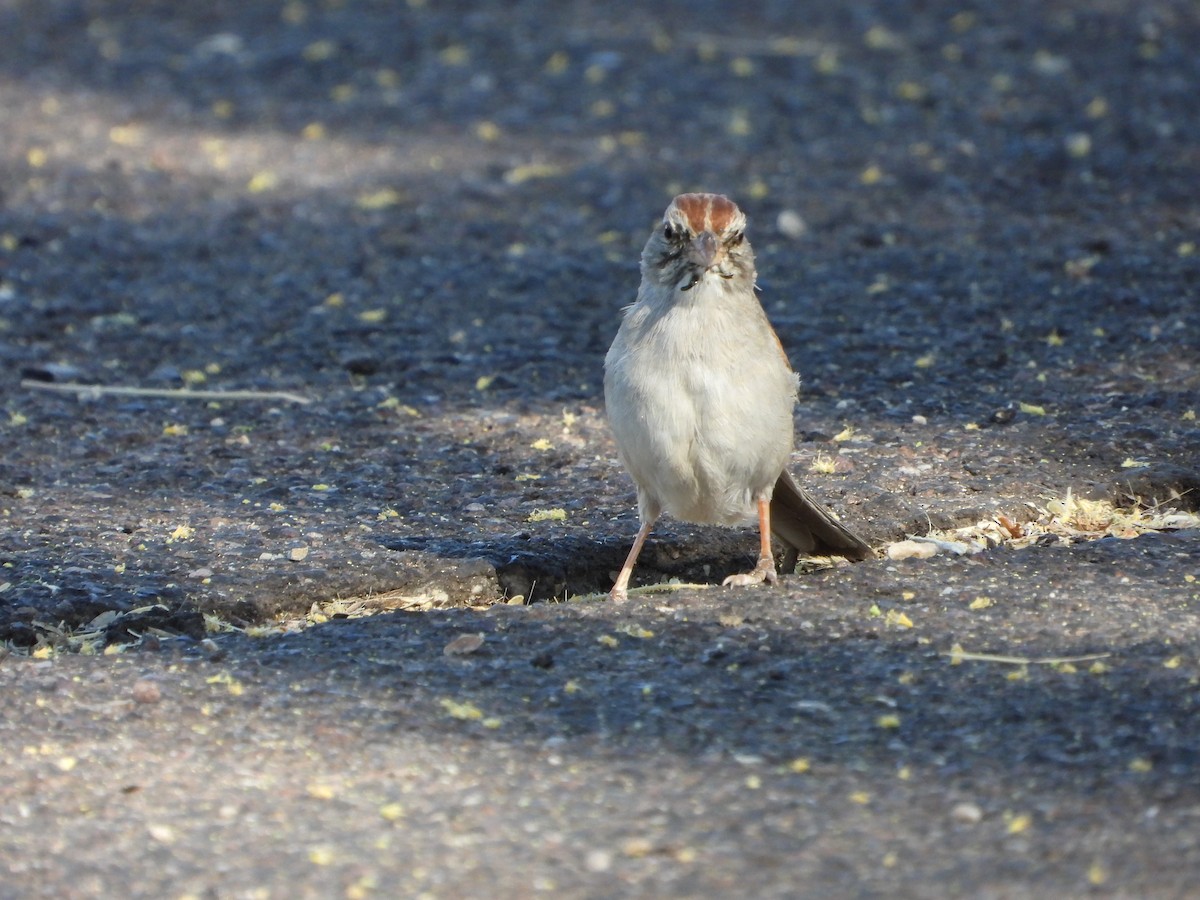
<point x="699" y="395"/>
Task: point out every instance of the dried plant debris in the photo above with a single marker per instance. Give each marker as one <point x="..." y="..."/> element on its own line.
<point x="1062" y="520"/>
<point x="112" y="630"/>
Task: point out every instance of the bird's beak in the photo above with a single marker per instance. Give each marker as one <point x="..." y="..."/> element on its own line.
<point x="703" y="249"/>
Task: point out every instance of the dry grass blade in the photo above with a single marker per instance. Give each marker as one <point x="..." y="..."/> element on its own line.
<point x="645" y="589"/>
<point x="1069" y="518"/>
<point x="958" y="655"/>
<point x="98" y="390"/>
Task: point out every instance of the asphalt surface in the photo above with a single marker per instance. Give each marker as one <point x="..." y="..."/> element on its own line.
<point x="336" y="634"/>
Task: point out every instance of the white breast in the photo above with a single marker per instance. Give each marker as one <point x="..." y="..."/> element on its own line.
<point x="700" y="401"/>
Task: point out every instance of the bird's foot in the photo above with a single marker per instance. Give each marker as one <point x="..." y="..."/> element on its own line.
<point x="763" y="573"/>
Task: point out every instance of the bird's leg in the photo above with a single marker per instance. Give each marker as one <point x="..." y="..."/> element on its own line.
<point x="620" y="588"/>
<point x="764" y="572"/>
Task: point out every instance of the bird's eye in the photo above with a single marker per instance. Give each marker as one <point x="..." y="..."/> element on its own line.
<point x="736" y="238"/>
<point x="670" y="232"/>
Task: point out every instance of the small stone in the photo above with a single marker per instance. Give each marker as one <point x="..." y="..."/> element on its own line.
<point x="463" y="645"/>
<point x="598" y="861"/>
<point x="162" y="833"/>
<point x="912" y="550"/>
<point x="791" y="225"/>
<point x="296" y="554"/>
<point x="1003" y="415"/>
<point x="967" y="813"/>
<point x="146" y="692"/>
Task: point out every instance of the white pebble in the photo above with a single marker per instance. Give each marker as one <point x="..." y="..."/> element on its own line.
<point x="790" y="224"/>
<point x="598" y="861"/>
<point x="967" y="813"/>
<point x="912" y="550"/>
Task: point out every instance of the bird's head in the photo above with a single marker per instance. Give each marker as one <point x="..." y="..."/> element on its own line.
<point x="701" y="236"/>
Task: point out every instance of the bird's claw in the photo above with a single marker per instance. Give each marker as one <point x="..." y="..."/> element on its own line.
<point x="763" y="573"/>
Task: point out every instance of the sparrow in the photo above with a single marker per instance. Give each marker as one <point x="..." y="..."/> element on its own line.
<point x="699" y="395"/>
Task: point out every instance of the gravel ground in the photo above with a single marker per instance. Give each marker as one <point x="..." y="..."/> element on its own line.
<point x="405" y="232"/>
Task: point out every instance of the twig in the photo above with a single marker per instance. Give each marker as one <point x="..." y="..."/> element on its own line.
<point x="663" y="588"/>
<point x="960" y="655"/>
<point x="71" y="387"/>
<point x="668" y="586"/>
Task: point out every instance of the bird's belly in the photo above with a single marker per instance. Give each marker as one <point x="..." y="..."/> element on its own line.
<point x="714" y="455"/>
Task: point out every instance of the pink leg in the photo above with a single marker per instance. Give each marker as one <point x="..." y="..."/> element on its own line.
<point x="620" y="589"/>
<point x="764" y="572"/>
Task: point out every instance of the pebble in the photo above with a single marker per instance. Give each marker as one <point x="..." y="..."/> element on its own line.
<point x="464" y="645"/>
<point x="912" y="550"/>
<point x="967" y="813"/>
<point x="598" y="861"/>
<point x="146" y="691"/>
<point x="790" y="224"/>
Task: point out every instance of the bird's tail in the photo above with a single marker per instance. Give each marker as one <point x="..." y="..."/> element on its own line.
<point x="805" y="526"/>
